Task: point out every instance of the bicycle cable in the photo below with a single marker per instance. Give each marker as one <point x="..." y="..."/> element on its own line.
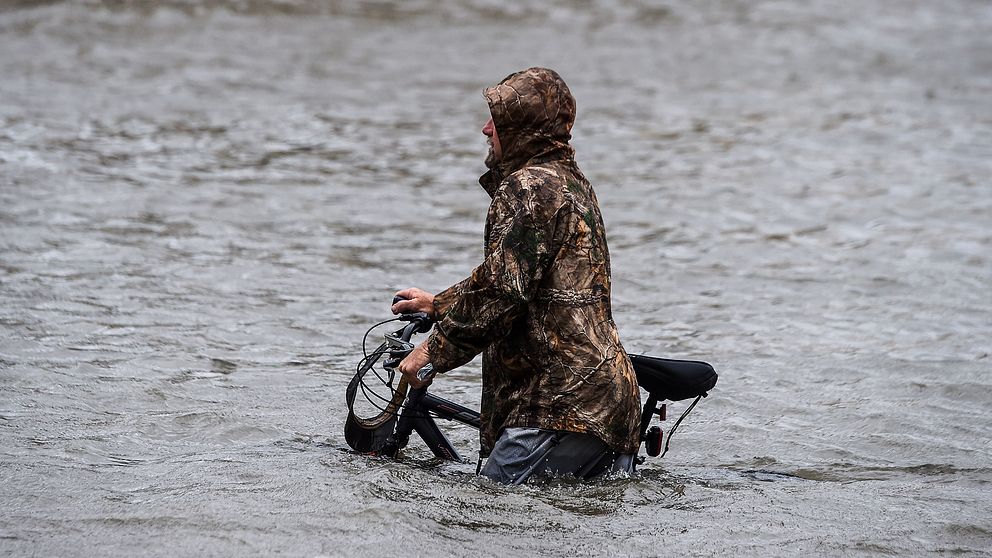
<point x="368" y="363"/>
<point x="675" y="426"/>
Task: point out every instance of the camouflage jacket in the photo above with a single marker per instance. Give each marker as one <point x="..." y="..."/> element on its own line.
<point x="538" y="307"/>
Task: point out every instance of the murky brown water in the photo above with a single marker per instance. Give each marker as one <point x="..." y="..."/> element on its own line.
<point x="204" y="205"/>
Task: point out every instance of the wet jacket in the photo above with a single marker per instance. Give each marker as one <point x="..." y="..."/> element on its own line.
<point x="538" y="307"/>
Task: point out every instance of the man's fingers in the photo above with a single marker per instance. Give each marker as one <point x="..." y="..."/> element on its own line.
<point x="417" y="301"/>
<point x="411" y="377"/>
<point x="402" y="305"/>
<point x="408" y="305"/>
<point x="412" y="364"/>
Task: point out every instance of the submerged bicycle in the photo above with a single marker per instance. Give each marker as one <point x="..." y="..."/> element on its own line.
<point x="401" y="411"/>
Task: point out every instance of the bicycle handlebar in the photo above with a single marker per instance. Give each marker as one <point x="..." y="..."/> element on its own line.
<point x="399" y="342"/>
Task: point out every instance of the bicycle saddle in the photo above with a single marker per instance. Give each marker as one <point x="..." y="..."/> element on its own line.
<point x="672" y="379"/>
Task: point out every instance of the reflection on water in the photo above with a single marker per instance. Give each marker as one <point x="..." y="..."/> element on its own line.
<point x="204" y="205"/>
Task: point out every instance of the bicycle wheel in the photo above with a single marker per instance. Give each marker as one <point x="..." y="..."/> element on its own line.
<point x="372" y="418"/>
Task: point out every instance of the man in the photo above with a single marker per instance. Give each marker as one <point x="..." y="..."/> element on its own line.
<point x="559" y="394"/>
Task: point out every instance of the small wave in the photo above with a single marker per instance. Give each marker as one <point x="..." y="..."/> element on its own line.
<point x="591" y="14"/>
<point x="845" y="472"/>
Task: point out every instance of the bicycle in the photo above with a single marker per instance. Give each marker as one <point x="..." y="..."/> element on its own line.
<point x="402" y="413"/>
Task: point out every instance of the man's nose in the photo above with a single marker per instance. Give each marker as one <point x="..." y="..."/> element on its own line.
<point x="488" y="128"/>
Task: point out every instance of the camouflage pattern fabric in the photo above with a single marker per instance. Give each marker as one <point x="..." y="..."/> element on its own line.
<point x="538" y="307"/>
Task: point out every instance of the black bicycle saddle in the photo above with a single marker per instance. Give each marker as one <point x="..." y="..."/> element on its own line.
<point x="672" y="379"/>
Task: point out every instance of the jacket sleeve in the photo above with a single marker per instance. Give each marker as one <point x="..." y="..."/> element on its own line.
<point x="444" y="299"/>
<point x="480" y="309"/>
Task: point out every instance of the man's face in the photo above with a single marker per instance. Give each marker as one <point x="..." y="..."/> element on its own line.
<point x="495" y="151"/>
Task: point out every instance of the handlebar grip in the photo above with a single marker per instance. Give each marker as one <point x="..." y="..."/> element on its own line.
<point x="398" y="298"/>
<point x="425" y="372"/>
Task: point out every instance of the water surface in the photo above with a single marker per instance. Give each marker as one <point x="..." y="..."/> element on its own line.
<point x="203" y="205"/>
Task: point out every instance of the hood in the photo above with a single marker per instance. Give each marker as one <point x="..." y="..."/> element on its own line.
<point x="533" y="112"/>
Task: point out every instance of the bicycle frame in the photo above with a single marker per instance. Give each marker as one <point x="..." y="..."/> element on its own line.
<point x="423" y="423"/>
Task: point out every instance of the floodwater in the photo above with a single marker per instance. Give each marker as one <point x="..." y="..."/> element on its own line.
<point x="203" y="205"/>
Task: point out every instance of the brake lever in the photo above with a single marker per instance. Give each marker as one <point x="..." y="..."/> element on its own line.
<point x="397" y="344"/>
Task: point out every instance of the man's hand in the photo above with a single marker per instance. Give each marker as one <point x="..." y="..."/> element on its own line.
<point x="417" y="301"/>
<point x="417" y="359"/>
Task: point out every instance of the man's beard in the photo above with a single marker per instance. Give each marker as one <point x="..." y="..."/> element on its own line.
<point x="491" y="160"/>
